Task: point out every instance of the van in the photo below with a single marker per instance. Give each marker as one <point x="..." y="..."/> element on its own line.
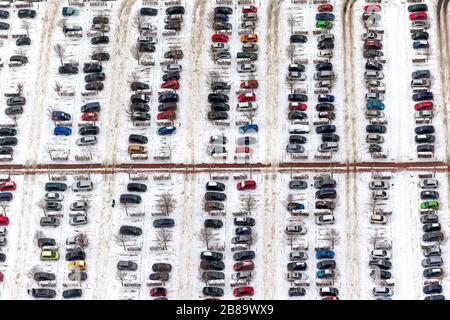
<point x="137" y="149"/>
<point x="130" y="198"/>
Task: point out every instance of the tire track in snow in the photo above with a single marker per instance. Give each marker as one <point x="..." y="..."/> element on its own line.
<point x="103" y="274"/>
<point x="273" y="53"/>
<point x="41" y="83"/>
<point x="196" y="74"/>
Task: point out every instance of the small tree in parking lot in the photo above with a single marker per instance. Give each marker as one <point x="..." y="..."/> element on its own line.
<point x="136" y="53"/>
<point x="33" y="271"/>
<point x="206" y="207"/>
<point x="207" y="237"/>
<point x="60" y="51"/>
<point x="291" y="52"/>
<point x="82" y="240"/>
<point x="212" y="77"/>
<point x="19" y="88"/>
<point x="122" y="240"/>
<point x="4" y="206"/>
<point x="163" y="237"/>
<point x="38" y="235"/>
<point x="375" y="238"/>
<point x="62" y="23"/>
<point x="249" y="203"/>
<point x="249" y="115"/>
<point x="291" y="22"/>
<point x="26" y="25"/>
<point x="166" y="203"/>
<point x="57" y="88"/>
<point x="333" y="237"/>
<point x="290" y="240"/>
<point x="43" y="206"/>
<point x="121" y="276"/>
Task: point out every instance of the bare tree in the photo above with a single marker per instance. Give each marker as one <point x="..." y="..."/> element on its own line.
<point x="249" y="203"/>
<point x="43" y="206"/>
<point x="4" y="206"/>
<point x="49" y="151"/>
<point x="291" y="239"/>
<point x="249" y="115"/>
<point x="213" y="77"/>
<point x="77" y="275"/>
<point x="38" y="235"/>
<point x="26" y="25"/>
<point x="291" y="84"/>
<point x="291" y="52"/>
<point x="291" y="22"/>
<point x="62" y="23"/>
<point x="137" y="21"/>
<point x="375" y="238"/>
<point x="19" y="88"/>
<point x="163" y="237"/>
<point x="129" y="113"/>
<point x="121" y="239"/>
<point x="333" y="237"/>
<point x="82" y="240"/>
<point x="99" y="50"/>
<point x="57" y="88"/>
<point x="206" y="207"/>
<point x="121" y="276"/>
<point x="60" y="52"/>
<point x="207" y="237"/>
<point x="166" y="203"/>
<point x="136" y="53"/>
<point x="33" y="270"/>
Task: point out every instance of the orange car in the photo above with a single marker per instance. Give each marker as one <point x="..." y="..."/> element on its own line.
<point x="249" y="38"/>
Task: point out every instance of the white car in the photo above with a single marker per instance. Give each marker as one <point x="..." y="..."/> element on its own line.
<point x="378" y="185"/>
<point x="151" y="40"/>
<point x="327" y="53"/>
<point x="299" y="76"/>
<point x="382" y="292"/>
<point x="216" y="47"/>
<point x="296" y="230"/>
<point x="174" y="67"/>
<point x="248" y="25"/>
<point x="374" y="95"/>
<point x="372" y="36"/>
<point x="328" y="147"/>
<point x="53" y="196"/>
<point x="78" y="206"/>
<point x="325" y="219"/>
<point x="378" y="219"/>
<point x="429" y="184"/>
<point x="299" y="129"/>
<point x="380" y="195"/>
<point x="246" y="68"/>
<point x="87" y="141"/>
<point x="374" y="138"/>
<point x="381" y="254"/>
<point x="84" y="185"/>
<point x="245" y="106"/>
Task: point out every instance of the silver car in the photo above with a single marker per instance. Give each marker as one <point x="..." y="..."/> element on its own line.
<point x="373" y="75"/>
<point x="378" y="185"/>
<point x="220" y="46"/>
<point x="87" y="141"/>
<point x="429" y="184"/>
<point x="78" y="220"/>
<point x="172" y="68"/>
<point x="84" y="185"/>
<point x="79" y="206"/>
<point x="246" y="68"/>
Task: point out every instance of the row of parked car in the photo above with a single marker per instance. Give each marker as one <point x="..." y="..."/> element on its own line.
<point x="421" y="82"/>
<point x="6" y="186"/>
<point x="374" y="98"/>
<point x="432" y="262"/>
<point x="52" y="206"/>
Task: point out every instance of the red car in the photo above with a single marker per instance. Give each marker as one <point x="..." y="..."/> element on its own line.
<point x="293" y="106"/>
<point x="250" y="84"/>
<point x="248" y="9"/>
<point x="247" y="97"/>
<point x="7" y="186"/>
<point x="158" y="292"/>
<point x="243" y="291"/>
<point x="372" y="8"/>
<point x="220" y="38"/>
<point x="422" y="15"/>
<point x="244" y="150"/>
<point x="244" y="266"/>
<point x="373" y="44"/>
<point x="167" y="115"/>
<point x="172" y="84"/>
<point x="246" y="185"/>
<point x="426" y="105"/>
<point x="1" y="276"/>
<point x="89" y="116"/>
<point x="330" y="298"/>
<point x="4" y="221"/>
<point x="325" y="8"/>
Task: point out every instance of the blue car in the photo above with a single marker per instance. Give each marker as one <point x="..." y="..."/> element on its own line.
<point x="62" y="131"/>
<point x="295" y="206"/>
<point x="326" y="98"/>
<point x="325" y="274"/>
<point x="324" y="254"/>
<point x="423" y="96"/>
<point x="166" y="131"/>
<point x="325" y="17"/>
<point x="248" y="128"/>
<point x="374" y="104"/>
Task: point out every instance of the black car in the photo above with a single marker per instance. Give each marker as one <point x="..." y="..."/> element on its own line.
<point x="213" y="205"/>
<point x="328" y="128"/>
<point x="159" y="276"/>
<point x="75" y="255"/>
<point x="139" y="107"/>
<point x="44" y="276"/>
<point x="212" y="265"/>
<point x="68" y="70"/>
<point x="55" y="186"/>
<point x="172" y="106"/>
<point x="136" y="187"/>
<point x="26" y="13"/>
<point x="19" y="58"/>
<point x="130" y="231"/>
<point x="372" y="53"/>
<point x="2" y="257"/>
<point x="298" y="185"/>
<point x="326" y="194"/>
<point x="423" y="96"/>
<point x="221" y="17"/>
<point x="163" y="223"/>
<point x="245" y="222"/>
<point x="218" y="97"/>
<point x="425" y="138"/>
<point x="91" y="107"/>
<point x="127" y="266"/>
<point x="298" y="38"/>
<point x="100" y="40"/>
<point x="168" y="97"/>
<point x="223" y="10"/>
<point x="135" y="86"/>
<point x="220" y="85"/>
<point x="298" y="97"/>
<point x="213" y="223"/>
<point x="14" y="110"/>
<point x="6" y="150"/>
<point x="174" y="25"/>
<point x="215" y="186"/>
<point x="88" y="130"/>
<point x="161" y="267"/>
<point x="219" y="25"/>
<point x="429" y="218"/>
<point x="213" y="291"/>
<point x="324" y="66"/>
<point x="94" y="86"/>
<point x="60" y="116"/>
<point x="425" y="148"/>
<point x="46" y="242"/>
<point x="297" y="115"/>
<point x="373" y="65"/>
<point x="244" y="255"/>
<point x="211" y="256"/>
<point x="429" y="227"/>
<point x="175" y="10"/>
<point x="435" y="297"/>
<point x="148" y="12"/>
<point x="327" y="44"/>
<point x="326" y="264"/>
<point x="382" y="264"/>
<point x="171" y="76"/>
<point x="429" y="195"/>
<point x="146" y="47"/>
<point x="324" y="107"/>
<point x="424" y="130"/>
<point x="420" y="35"/>
<point x="23" y="41"/>
<point x="418" y="7"/>
<point x="296" y="68"/>
<point x="98" y="76"/>
<point x="296" y="292"/>
<point x="421" y="74"/>
<point x="4" y="26"/>
<point x="138" y="139"/>
<point x="100" y="20"/>
<point x="432" y="288"/>
<point x="220" y="107"/>
<point x="213" y="275"/>
<point x="217" y="115"/>
<point x="376" y="128"/>
<point x="43" y="293"/>
<point x="330" y="137"/>
<point x="92" y="67"/>
<point x="297" y="139"/>
<point x="101" y="56"/>
<point x="4" y="14"/>
<point x="72" y="293"/>
<point x="7" y="132"/>
<point x="215" y="196"/>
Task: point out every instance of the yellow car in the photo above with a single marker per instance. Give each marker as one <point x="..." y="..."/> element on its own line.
<point x="249" y="38"/>
<point x="77" y="264"/>
<point x="50" y="255"/>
